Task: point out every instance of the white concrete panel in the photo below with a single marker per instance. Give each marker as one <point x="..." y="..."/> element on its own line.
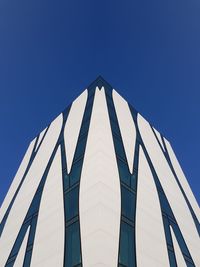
<point x="28" y="189"/>
<point x="72" y="127"/>
<point x="178" y="254"/>
<point x="171" y="189"/>
<point x="100" y="199"/>
<point x="127" y="127"/>
<point x="183" y="181"/>
<point x="20" y="257"/>
<point x="159" y="138"/>
<point x="40" y="138"/>
<point x="17" y="179"/>
<point x="48" y="249"/>
<point x="151" y="247"/>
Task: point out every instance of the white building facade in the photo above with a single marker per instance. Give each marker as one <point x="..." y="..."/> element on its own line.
<point x="100" y="187"/>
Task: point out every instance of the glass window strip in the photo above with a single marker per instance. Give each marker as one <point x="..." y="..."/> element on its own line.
<point x="127" y="254"/>
<point x="71" y="182"/>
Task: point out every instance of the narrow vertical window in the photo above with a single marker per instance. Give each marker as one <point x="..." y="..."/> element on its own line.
<point x="71" y="199"/>
<point x="126" y="246"/>
<point x="128" y="206"/>
<point x="73" y="250"/>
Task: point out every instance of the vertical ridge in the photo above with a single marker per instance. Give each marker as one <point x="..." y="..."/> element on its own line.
<point x="99" y="191"/>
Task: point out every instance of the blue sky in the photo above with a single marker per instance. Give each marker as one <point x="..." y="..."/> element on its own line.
<point x="51" y="50"/>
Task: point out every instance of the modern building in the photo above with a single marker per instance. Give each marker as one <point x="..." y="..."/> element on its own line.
<point x="100" y="187"/>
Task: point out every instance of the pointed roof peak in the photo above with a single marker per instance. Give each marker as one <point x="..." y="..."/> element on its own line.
<point x="100" y="82"/>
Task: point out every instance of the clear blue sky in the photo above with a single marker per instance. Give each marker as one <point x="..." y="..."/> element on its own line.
<point x="51" y="50"/>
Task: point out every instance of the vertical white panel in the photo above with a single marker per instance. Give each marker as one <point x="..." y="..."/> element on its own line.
<point x="16" y="181"/>
<point x="48" y="249"/>
<point x="171" y="189"/>
<point x="20" y="257"/>
<point x="40" y="138"/>
<point x="183" y="181"/>
<point x="179" y="256"/>
<point x="159" y="138"/>
<point x="127" y="127"/>
<point x="72" y="127"/>
<point x="100" y="198"/>
<point x="151" y="248"/>
<point x="28" y="189"/>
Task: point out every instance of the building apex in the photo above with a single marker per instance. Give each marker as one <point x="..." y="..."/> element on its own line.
<point x="100" y="82"/>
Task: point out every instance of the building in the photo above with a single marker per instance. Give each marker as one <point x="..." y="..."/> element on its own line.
<point x="99" y="187"/>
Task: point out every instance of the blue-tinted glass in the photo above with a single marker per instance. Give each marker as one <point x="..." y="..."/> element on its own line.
<point x="158" y="185"/>
<point x="180" y="240"/>
<point x="71" y="201"/>
<point x="66" y="180"/>
<point x="172" y="259"/>
<point x="127" y="248"/>
<point x="119" y="148"/>
<point x="109" y="101"/>
<point x="115" y="128"/>
<point x="134" y="180"/>
<point x="112" y="115"/>
<point x="128" y="203"/>
<point x="27" y="259"/>
<point x="87" y="113"/>
<point x="167" y="231"/>
<point x="73" y="252"/>
<point x="124" y="172"/>
<point x="80" y="149"/>
<point x="189" y="264"/>
<point x="136" y="160"/>
<point x="165" y="205"/>
<point x="62" y="148"/>
<point x="34" y="205"/>
<point x="10" y="264"/>
<point x="75" y="172"/>
<point x="32" y="231"/>
<point x="84" y="128"/>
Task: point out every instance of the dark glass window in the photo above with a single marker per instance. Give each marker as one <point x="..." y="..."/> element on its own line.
<point x="75" y="172"/>
<point x="66" y="180"/>
<point x="164" y="205"/>
<point x="10" y="264"/>
<point x="167" y="231"/>
<point x="124" y="172"/>
<point x="80" y="149"/>
<point x="128" y="203"/>
<point x="172" y="259"/>
<point x="119" y="148"/>
<point x="115" y="129"/>
<point x="84" y="128"/>
<point x="189" y="264"/>
<point x="127" y="248"/>
<point x="136" y="158"/>
<point x="71" y="200"/>
<point x="180" y="240"/>
<point x="134" y="180"/>
<point x="34" y="205"/>
<point x="27" y="259"/>
<point x="32" y="231"/>
<point x="73" y="251"/>
<point x="113" y="117"/>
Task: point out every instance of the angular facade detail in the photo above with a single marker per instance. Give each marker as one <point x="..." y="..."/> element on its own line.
<point x="128" y="133"/>
<point x="149" y="220"/>
<point x="99" y="187"/>
<point x="100" y="191"/>
<point x="50" y="221"/>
